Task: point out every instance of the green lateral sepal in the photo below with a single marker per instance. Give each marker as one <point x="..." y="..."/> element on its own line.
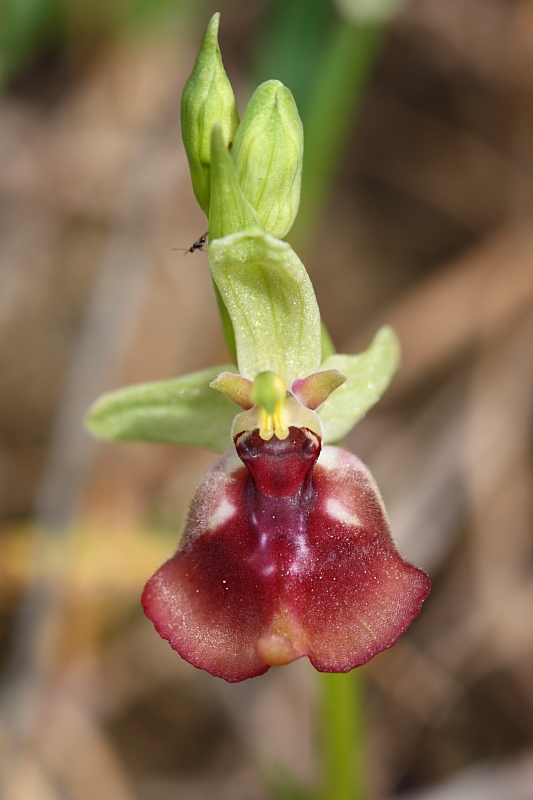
<point x="368" y="376"/>
<point x="181" y="410"/>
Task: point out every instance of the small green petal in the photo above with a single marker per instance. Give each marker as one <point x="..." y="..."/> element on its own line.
<point x="177" y="411"/>
<point x="368" y="376"/>
<point x="207" y="100"/>
<point x="271" y="302"/>
<point x="268" y="149"/>
<point x="237" y="388"/>
<point x="229" y="210"/>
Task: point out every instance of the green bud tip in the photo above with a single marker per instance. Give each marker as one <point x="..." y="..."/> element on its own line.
<point x="207" y="99"/>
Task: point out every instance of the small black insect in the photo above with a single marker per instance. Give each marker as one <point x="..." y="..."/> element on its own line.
<point x="199" y="244"/>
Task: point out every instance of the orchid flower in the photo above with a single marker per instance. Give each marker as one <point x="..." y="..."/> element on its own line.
<point x="286" y="550"/>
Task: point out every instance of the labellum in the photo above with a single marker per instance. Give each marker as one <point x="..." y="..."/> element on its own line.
<point x="286" y="553"/>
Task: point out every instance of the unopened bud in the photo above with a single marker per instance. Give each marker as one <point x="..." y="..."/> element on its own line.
<point x="267" y="150"/>
<point x="207" y="99"/>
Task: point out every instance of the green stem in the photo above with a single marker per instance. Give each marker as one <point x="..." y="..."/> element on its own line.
<point x="342" y="81"/>
<point x="343" y="734"/>
<point x="227" y="325"/>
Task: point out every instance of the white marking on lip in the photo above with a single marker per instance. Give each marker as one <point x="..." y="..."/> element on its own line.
<point x="341" y="513"/>
<point x="329" y="457"/>
<point x="224" y="511"/>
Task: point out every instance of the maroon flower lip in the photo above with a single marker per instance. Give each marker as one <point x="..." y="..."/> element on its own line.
<point x="285" y="553"/>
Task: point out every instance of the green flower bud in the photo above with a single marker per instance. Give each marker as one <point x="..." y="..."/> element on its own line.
<point x="207" y="99"/>
<point x="229" y="209"/>
<point x="267" y="150"/>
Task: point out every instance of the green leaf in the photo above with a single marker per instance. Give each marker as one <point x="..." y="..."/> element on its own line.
<point x="368" y="376"/>
<point x="271" y="302"/>
<point x="181" y="410"/>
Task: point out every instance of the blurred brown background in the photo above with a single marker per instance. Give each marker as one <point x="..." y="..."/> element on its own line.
<point x="428" y="225"/>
